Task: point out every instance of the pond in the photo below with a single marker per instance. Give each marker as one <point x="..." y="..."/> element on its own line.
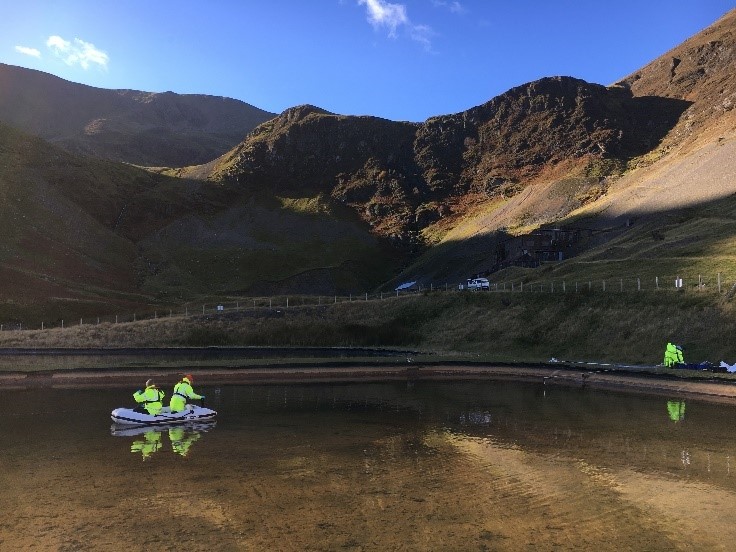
<point x="396" y="466"/>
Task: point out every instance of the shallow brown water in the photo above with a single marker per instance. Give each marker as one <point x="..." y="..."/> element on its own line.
<point x="430" y="466"/>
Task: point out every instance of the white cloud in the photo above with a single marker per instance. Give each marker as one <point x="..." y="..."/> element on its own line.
<point x="454" y="7"/>
<point x="422" y="34"/>
<point x="77" y="52"/>
<point x="25" y="50"/>
<point x="382" y="14"/>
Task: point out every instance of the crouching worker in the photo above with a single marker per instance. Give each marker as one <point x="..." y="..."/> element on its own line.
<point x="151" y="399"/>
<point x="183" y="391"/>
<point x="670" y="355"/>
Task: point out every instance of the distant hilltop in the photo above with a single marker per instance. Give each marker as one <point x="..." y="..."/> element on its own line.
<point x="141" y="128"/>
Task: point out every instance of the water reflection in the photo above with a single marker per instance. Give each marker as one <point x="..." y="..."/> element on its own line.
<point x="676" y="410"/>
<point x="151" y="443"/>
<point x="428" y="466"/>
<point x="148" y="440"/>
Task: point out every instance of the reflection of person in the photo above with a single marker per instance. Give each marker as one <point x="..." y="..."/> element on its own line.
<point x="183" y="391"/>
<point x="181" y="441"/>
<point x="151" y="443"/>
<point x="676" y="410"/>
<point x="151" y="398"/>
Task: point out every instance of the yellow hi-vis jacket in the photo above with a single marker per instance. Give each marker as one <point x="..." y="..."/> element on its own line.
<point x="151" y="399"/>
<point x="182" y="391"/>
<point x="670" y="355"/>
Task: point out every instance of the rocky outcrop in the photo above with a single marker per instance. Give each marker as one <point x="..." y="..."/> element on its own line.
<point x="401" y="177"/>
<point x="699" y="71"/>
<point x="537" y="125"/>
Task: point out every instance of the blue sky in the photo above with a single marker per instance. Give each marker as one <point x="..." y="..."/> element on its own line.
<point x="401" y="59"/>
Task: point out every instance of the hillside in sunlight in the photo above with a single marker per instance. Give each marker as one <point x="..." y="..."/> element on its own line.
<point x="665" y="211"/>
<point x="556" y="178"/>
<point x="468" y="193"/>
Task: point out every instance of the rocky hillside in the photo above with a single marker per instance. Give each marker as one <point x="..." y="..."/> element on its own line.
<point x="315" y="202"/>
<point x="142" y="128"/>
<point x="701" y="72"/>
<point x="403" y="177"/>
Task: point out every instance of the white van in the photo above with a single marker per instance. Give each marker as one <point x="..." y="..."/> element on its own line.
<point x="478" y="284"/>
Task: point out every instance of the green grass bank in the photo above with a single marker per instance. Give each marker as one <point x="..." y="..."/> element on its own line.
<point x="512" y="327"/>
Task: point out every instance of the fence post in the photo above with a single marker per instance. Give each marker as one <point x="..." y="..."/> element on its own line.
<point x="604" y="285"/>
<point x="287" y="302"/>
<point x="719" y="282"/>
<point x="656" y="282"/>
<point x="41" y="326"/>
<point x="638" y="284"/>
<point x="563" y="286"/>
<point x="522" y="285"/>
<point x="366" y="296"/>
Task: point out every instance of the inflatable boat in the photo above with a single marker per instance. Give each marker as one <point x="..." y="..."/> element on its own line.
<point x="192" y="413"/>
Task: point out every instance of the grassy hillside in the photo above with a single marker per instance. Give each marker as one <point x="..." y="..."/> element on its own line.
<point x="317" y="203"/>
<point x="630" y="327"/>
<point x="85" y="237"/>
<point x="143" y="128"/>
<point x="266" y="244"/>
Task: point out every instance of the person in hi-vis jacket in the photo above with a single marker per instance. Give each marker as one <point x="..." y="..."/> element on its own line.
<point x="183" y="391"/>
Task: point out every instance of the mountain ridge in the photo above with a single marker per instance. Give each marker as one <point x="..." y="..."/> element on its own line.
<point x="316" y="202"/>
<point x="131" y="126"/>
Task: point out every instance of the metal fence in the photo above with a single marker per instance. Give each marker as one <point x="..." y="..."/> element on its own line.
<point x="716" y="285"/>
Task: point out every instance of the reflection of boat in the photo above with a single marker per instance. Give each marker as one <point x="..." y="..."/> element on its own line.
<point x="118" y="430"/>
<point x="147" y="438"/>
<point x="192" y="413"/>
